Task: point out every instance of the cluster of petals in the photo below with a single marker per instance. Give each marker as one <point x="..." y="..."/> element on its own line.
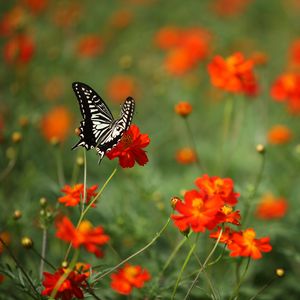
<point x="74" y="194"/>
<point x="128" y="278"/>
<point x="91" y="238"/>
<point x="279" y="134"/>
<point x="71" y="287"/>
<point x="185" y="47"/>
<point x="233" y="74"/>
<point x="130" y="148"/>
<point x="271" y="207"/>
<point x="212" y="204"/>
<point x="243" y="243"/>
<point x="286" y="88"/>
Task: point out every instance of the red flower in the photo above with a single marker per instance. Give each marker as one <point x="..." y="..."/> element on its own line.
<point x="90" y="46"/>
<point x="233" y="74"/>
<point x="129" y="277"/>
<point x="225" y="236"/>
<point x="244" y="243"/>
<point x="70" y="287"/>
<point x="129" y="149"/>
<point x="92" y="238"/>
<point x="186" y="156"/>
<point x="294" y="53"/>
<point x="75" y="194"/>
<point x="197" y="212"/>
<point x="271" y="208"/>
<point x="167" y="37"/>
<point x="219" y="187"/>
<point x="279" y="135"/>
<point x="19" y="49"/>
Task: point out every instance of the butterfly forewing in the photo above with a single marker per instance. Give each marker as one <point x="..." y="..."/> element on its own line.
<point x="99" y="129"/>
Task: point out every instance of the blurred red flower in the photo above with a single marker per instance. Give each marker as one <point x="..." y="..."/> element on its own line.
<point x="215" y="186"/>
<point x="279" y="134"/>
<point x="56" y="124"/>
<point x="167" y="37"/>
<point x="270" y="207"/>
<point x="120" y="87"/>
<point x="186" y="156"/>
<point x="294" y="54"/>
<point x="19" y="49"/>
<point x="12" y="20"/>
<point x="130" y="148"/>
<point x="92" y="238"/>
<point x="67" y="14"/>
<point x="36" y="6"/>
<point x="229" y="8"/>
<point x="121" y="18"/>
<point x="90" y="46"/>
<point x="183" y="108"/>
<point x="233" y="74"/>
<point x="75" y="194"/>
<point x="286" y="88"/>
<point x="227" y="215"/>
<point x="129" y="277"/>
<point x="71" y="287"/>
<point x="1" y="278"/>
<point x="197" y="211"/>
<point x="244" y="243"/>
<point x="5" y="236"/>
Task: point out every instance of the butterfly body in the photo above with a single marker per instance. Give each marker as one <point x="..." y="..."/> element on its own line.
<point x="99" y="129"/>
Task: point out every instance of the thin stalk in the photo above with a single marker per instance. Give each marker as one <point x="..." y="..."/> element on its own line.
<point x="20" y="267"/>
<point x="83" y="200"/>
<point x="84" y="212"/>
<point x="65" y="275"/>
<point x="204" y="266"/>
<point x="255" y="189"/>
<point x="193" y="142"/>
<point x="237" y="288"/>
<point x="263" y="288"/>
<point x="182" y="270"/>
<point x="43" y="253"/>
<point x="8" y="168"/>
<point x="45" y="260"/>
<point x="158" y="234"/>
<point x="60" y="171"/>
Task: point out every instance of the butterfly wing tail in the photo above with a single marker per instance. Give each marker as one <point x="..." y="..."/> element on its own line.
<point x="101" y="154"/>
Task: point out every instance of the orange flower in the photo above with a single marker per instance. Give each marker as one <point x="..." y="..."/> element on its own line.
<point x="179" y="61"/>
<point x="279" y="134"/>
<point x="294" y="53"/>
<point x="286" y="87"/>
<point x="121" y="18"/>
<point x="130" y="148"/>
<point x="83" y="268"/>
<point x="120" y="87"/>
<point x="270" y="207"/>
<point x="5" y="236"/>
<point x="75" y="194"/>
<point x="92" y="238"/>
<point x="197" y="212"/>
<point x="56" y="124"/>
<point x="19" y="49"/>
<point x="218" y="187"/>
<point x="167" y="37"/>
<point x="90" y="46"/>
<point x="233" y="74"/>
<point x="186" y="156"/>
<point x="229" y="8"/>
<point x="129" y="277"/>
<point x="183" y="108"/>
<point x="245" y="244"/>
<point x="225" y="236"/>
<point x="71" y="287"/>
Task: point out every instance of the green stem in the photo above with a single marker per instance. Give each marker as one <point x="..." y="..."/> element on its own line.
<point x="65" y="275"/>
<point x="43" y="253"/>
<point x="263" y="288"/>
<point x="237" y="288"/>
<point x="60" y="172"/>
<point x="190" y="133"/>
<point x="203" y="266"/>
<point x="255" y="189"/>
<point x="136" y="253"/>
<point x="83" y="200"/>
<point x="182" y="269"/>
<point x="84" y="212"/>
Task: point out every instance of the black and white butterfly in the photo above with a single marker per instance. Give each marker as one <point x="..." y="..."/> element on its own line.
<point x="99" y="129"/>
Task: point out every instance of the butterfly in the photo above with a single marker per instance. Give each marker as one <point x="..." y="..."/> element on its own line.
<point x="99" y="129"/>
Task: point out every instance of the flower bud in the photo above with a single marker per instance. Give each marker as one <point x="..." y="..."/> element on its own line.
<point x="280" y="272"/>
<point x="23" y="121"/>
<point x="64" y="264"/>
<point x="80" y="161"/>
<point x="43" y="202"/>
<point x="260" y="149"/>
<point x="11" y="153"/>
<point x="174" y="201"/>
<point x="183" y="108"/>
<point x="27" y="242"/>
<point x="16" y="137"/>
<point x="77" y="131"/>
<point x="17" y="214"/>
<point x="54" y="141"/>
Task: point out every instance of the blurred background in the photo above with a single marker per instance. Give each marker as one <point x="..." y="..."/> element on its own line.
<point x="124" y="48"/>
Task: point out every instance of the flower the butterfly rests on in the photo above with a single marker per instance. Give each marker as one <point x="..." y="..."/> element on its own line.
<point x="99" y="129"/>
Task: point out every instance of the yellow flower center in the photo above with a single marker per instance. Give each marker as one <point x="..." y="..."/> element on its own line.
<point x="85" y="226"/>
<point x="197" y="206"/>
<point x="127" y="140"/>
<point x="130" y="271"/>
<point x="226" y="209"/>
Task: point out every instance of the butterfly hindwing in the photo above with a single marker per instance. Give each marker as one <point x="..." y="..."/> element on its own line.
<point x="99" y="129"/>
